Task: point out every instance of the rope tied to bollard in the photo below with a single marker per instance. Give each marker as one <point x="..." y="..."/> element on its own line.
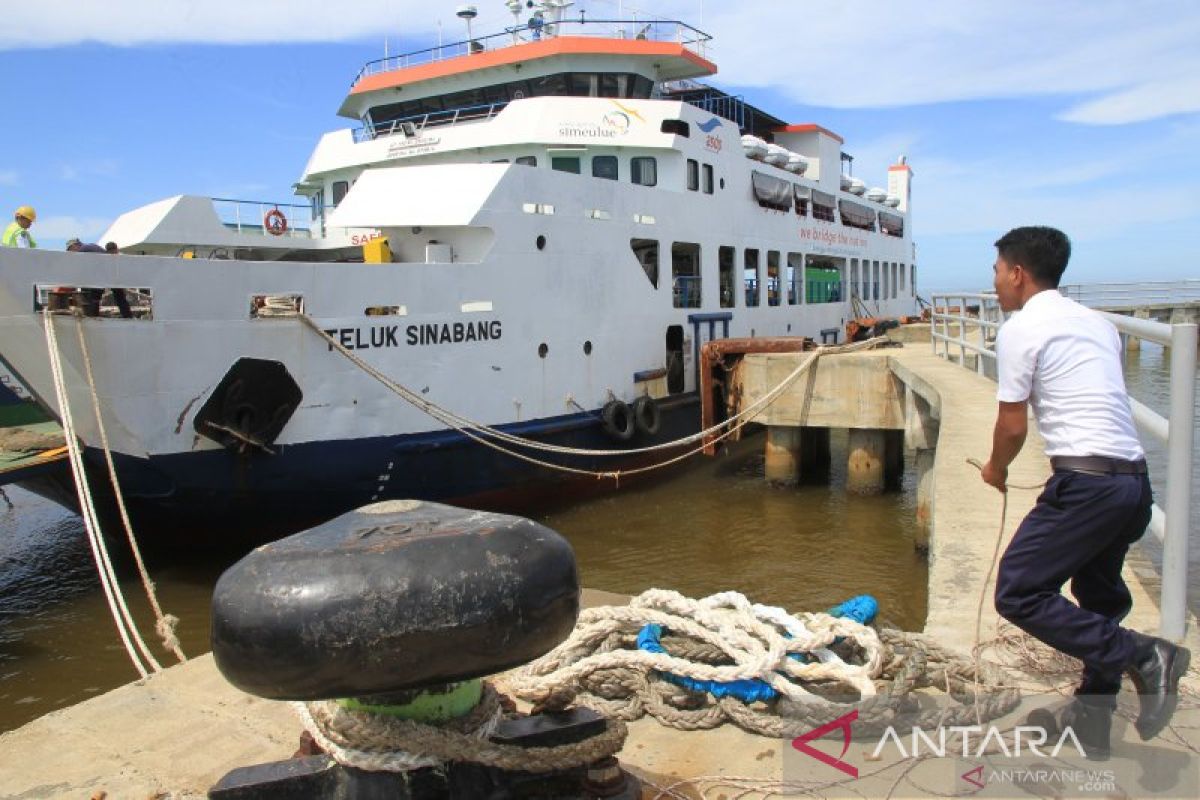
<point x="378" y="742"/>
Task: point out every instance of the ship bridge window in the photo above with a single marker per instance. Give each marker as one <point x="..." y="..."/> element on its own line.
<point x="604" y="167"/>
<point x="823" y="205"/>
<point x="685" y="274"/>
<point x="448" y="108"/>
<point x="677" y="127"/>
<point x="643" y="170"/>
<point x="565" y="164"/>
<point x="646" y="253"/>
<point x="527" y="161"/>
<point x="340" y="188"/>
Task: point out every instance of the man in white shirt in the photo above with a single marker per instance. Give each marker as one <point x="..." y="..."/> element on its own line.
<point x="1064" y="360"/>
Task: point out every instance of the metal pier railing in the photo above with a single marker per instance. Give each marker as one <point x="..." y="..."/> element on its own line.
<point x="963" y="324"/>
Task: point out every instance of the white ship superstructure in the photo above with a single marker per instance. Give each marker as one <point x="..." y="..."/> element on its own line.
<point x="524" y="229"/>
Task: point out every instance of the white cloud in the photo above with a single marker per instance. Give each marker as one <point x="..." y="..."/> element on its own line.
<point x="1138" y="61"/>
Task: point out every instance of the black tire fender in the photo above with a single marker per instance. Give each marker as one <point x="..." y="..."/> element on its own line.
<point x="646" y="415"/>
<point x="617" y="420"/>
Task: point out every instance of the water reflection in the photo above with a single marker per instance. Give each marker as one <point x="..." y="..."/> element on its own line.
<point x="713" y="527"/>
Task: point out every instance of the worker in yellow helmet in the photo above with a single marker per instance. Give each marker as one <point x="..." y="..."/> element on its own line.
<point x="17" y="233"/>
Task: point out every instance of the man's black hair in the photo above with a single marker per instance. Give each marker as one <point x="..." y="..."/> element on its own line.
<point x="1041" y="251"/>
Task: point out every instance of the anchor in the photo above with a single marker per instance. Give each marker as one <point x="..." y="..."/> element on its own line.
<point x="384" y="622"/>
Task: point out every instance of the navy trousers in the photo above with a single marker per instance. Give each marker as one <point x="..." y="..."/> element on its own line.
<point x="1080" y="530"/>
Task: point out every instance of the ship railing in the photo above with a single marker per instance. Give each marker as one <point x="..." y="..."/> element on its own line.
<point x="951" y="323"/>
<point x="1167" y="294"/>
<point x="255" y="217"/>
<point x="655" y="30"/>
<point x="413" y="125"/>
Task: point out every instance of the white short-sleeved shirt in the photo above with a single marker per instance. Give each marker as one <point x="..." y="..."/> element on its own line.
<point x="1065" y="359"/>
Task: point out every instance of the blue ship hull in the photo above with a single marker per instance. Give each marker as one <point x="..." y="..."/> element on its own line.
<point x="219" y="498"/>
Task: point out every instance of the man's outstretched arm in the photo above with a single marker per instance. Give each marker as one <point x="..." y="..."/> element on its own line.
<point x="1008" y="437"/>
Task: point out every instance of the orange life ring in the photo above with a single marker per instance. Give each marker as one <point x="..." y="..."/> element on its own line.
<point x="275" y="222"/>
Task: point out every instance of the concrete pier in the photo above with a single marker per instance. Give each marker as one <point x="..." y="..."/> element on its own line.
<point x="865" y="461"/>
<point x="783" y="455"/>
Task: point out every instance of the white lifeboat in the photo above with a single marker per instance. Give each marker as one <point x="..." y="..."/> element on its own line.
<point x="777" y="155"/>
<point x="754" y="147"/>
<point x="891" y="200"/>
<point x="846" y="183"/>
<point x="876" y="195"/>
<point x="796" y="163"/>
<point x="856" y="187"/>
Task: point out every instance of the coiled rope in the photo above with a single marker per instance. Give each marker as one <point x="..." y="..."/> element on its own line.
<point x="119" y="609"/>
<point x="726" y="638"/>
<point x="379" y="742"/>
<point x="485" y="434"/>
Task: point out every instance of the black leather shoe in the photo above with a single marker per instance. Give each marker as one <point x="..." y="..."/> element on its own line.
<point x="1090" y="718"/>
<point x="1156" y="669"/>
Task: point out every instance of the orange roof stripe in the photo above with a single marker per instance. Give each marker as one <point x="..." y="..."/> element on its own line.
<point x="559" y="45"/>
<point x="809" y="127"/>
<point x="899" y="168"/>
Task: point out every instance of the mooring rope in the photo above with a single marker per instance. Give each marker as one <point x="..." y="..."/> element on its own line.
<point x="477" y="431"/>
<point x="108" y="579"/>
<point x="379" y="742"/>
<point x="164" y="624"/>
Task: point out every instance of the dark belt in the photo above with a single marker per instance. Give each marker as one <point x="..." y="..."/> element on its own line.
<point x="1099" y="465"/>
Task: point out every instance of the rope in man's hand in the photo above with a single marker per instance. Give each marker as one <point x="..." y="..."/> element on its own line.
<point x="974" y="462"/>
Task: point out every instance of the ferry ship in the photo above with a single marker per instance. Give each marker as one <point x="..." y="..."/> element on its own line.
<point x="534" y="230"/>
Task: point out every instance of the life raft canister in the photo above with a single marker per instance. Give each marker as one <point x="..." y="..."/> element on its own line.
<point x="617" y="420"/>
<point x="646" y="415"/>
<point x="275" y="222"/>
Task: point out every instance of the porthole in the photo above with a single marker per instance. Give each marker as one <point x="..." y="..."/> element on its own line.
<point x="587" y="348"/>
<point x="541" y="243"/>
<point x="543" y="349"/>
<point x="722" y="183"/>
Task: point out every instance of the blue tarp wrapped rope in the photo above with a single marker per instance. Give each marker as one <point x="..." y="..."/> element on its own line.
<point x="862" y="609"/>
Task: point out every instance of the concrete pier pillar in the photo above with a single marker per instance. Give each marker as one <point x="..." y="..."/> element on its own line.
<point x="783" y="456"/>
<point x="1133" y="342"/>
<point x="924" y="467"/>
<point x="865" y="461"/>
<point x="814" y="452"/>
<point x="893" y="459"/>
<point x="1183" y="315"/>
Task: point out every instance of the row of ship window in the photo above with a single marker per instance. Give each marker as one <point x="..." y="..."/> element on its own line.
<point x="800" y="280"/>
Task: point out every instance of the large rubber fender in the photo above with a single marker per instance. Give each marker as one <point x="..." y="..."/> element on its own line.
<point x="646" y="416"/>
<point x="617" y="420"/>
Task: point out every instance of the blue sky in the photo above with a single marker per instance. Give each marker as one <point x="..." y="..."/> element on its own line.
<point x="1083" y="114"/>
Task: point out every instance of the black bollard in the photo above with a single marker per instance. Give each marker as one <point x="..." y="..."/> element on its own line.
<point x="395" y="604"/>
